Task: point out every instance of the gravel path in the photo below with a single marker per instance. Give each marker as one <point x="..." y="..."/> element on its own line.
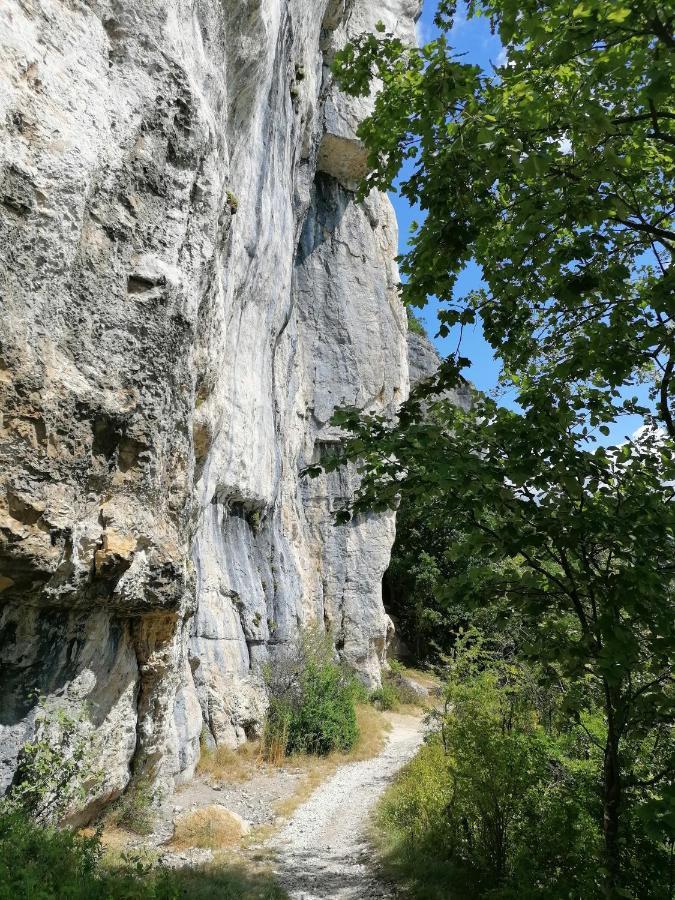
<point x="323" y="853"/>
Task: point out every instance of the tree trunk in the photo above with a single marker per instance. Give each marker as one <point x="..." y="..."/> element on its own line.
<point x="612" y="807"/>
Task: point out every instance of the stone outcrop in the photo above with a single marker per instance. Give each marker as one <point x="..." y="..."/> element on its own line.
<point x="424" y="361"/>
<point x="188" y="290"/>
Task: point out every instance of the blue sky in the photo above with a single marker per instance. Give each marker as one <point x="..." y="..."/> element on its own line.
<point x="472" y="38"/>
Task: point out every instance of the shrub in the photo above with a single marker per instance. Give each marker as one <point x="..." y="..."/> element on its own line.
<point x="227" y="764"/>
<point x="55" y="767"/>
<point x="312" y="700"/>
<point x="395" y="691"/>
<point x="385" y="697"/>
<point x="42" y="862"/>
<point x="396" y="667"/>
<point x="46" y="863"/>
<point x="325" y="720"/>
<point x="493" y="802"/>
<point x="134" y="809"/>
<point x="503" y="800"/>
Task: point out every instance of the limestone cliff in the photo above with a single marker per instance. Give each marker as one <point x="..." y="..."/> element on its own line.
<point x="188" y="289"/>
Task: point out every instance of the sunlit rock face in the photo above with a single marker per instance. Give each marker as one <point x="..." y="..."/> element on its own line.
<point x="188" y="289"/>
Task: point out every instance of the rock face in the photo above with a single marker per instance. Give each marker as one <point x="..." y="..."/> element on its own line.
<point x="188" y="290"/>
<point x="423" y="362"/>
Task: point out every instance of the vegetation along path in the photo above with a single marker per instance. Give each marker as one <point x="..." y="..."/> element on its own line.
<point x="323" y="851"/>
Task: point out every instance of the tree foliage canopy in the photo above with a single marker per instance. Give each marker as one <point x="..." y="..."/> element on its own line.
<point x="555" y="172"/>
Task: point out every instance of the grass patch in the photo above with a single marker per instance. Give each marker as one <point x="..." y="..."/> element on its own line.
<point x="426" y="678"/>
<point x="118" y="846"/>
<point x="223" y="882"/>
<point x="134" y="810"/>
<point x="46" y="863"/>
<point x="230" y="765"/>
<point x="209" y="828"/>
<point x="396" y="690"/>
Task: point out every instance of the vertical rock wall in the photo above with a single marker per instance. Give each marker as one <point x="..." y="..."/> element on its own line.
<point x="187" y="291"/>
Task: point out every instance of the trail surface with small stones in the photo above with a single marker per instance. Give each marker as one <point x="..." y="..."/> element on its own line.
<point x="323" y="851"/>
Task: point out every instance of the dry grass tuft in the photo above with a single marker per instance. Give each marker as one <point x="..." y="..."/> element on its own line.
<point x="426" y="678"/>
<point x="274" y="743"/>
<point x="209" y="828"/>
<point x="225" y="764"/>
<point x="373" y="731"/>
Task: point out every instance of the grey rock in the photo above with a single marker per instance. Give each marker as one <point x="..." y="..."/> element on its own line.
<point x="188" y="289"/>
<point x="423" y="363"/>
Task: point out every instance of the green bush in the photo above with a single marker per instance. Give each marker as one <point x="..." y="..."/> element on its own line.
<point x="503" y="800"/>
<point x="42" y="862"/>
<point x="395" y="690"/>
<point x="312" y="701"/>
<point x="134" y="809"/>
<point x="385" y="697"/>
<point x="46" y="863"/>
<point x="325" y="720"/>
<point x="490" y="816"/>
<point x="55" y="767"/>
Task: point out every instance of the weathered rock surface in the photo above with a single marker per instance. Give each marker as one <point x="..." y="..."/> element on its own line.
<point x="187" y="291"/>
<point x="423" y="362"/>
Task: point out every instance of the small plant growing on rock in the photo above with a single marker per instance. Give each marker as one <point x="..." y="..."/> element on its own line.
<point x="134" y="810"/>
<point x="54" y="768"/>
<point x="254" y="519"/>
<point x="415" y="325"/>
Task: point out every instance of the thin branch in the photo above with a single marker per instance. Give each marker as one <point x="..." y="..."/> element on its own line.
<point x="664" y="405"/>
<point x="661" y="233"/>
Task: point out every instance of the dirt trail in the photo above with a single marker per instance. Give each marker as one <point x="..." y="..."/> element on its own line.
<point x="322" y="852"/>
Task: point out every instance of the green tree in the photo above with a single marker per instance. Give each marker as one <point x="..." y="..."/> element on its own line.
<point x="580" y="544"/>
<point x="410" y="585"/>
<point x="423" y="588"/>
<point x="554" y="172"/>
